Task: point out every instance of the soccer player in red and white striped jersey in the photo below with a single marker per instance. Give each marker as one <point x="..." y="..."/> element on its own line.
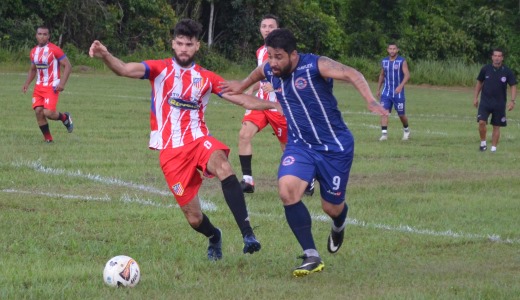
<point x="46" y="62"/>
<point x="255" y="120"/>
<point x="180" y="95"/>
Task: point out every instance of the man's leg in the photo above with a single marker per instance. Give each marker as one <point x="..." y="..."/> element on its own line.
<point x="58" y="116"/>
<point x="42" y="123"/>
<point x="220" y="166"/>
<point x="201" y="223"/>
<point x="482" y="129"/>
<point x="406" y="130"/>
<point x="245" y="153"/>
<point x="495" y="137"/>
<point x="291" y="189"/>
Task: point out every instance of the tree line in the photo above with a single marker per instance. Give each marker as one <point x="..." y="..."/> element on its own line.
<point x="463" y="30"/>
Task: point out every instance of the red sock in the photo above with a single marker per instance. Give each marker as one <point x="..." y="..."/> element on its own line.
<point x="46" y="132"/>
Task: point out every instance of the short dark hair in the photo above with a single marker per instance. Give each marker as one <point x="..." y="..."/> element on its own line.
<point x="188" y="28"/>
<point x="281" y="39"/>
<point x="43" y="27"/>
<point x="498" y="49"/>
<point x="271" y="16"/>
<point x="392" y="43"/>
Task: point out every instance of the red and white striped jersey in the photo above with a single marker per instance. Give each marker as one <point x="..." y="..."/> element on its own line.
<point x="261" y="57"/>
<point x="47" y="62"/>
<point x="178" y="102"/>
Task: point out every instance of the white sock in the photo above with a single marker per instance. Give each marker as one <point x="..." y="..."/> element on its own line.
<point x="493" y="148"/>
<point x="482" y="143"/>
<point x="384" y="132"/>
<point x="248" y="179"/>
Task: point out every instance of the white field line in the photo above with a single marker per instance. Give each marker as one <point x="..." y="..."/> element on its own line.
<point x="38" y="167"/>
<point x="212" y="207"/>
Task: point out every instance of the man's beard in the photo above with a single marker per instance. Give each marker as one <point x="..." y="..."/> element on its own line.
<point x="183" y="63"/>
<point x="285" y="71"/>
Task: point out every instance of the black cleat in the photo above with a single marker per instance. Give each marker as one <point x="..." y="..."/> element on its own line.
<point x="309" y="265"/>
<point x="335" y="240"/>
<point x="215" y="249"/>
<point x="483" y="148"/>
<point x="251" y="244"/>
<point x="247" y="187"/>
<point x="68" y="123"/>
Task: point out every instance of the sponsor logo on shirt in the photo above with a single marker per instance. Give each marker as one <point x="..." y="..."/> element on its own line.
<point x="503" y="79"/>
<point x="307" y="66"/>
<point x="182" y="104"/>
<point x="41" y="66"/>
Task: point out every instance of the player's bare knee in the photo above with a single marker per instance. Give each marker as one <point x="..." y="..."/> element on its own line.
<point x="194" y="219"/>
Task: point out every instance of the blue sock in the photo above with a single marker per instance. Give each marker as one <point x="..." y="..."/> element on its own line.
<point x="300" y="222"/>
<point x="340" y="220"/>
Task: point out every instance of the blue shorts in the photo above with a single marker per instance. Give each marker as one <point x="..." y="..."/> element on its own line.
<point x="398" y="103"/>
<point x="331" y="170"/>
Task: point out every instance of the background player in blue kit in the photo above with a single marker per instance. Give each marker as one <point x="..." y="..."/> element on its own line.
<point x="492" y="81"/>
<point x="319" y="143"/>
<point x="394" y="74"/>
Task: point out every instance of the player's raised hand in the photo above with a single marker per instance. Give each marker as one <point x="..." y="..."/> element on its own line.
<point x="97" y="49"/>
<point x="377" y="108"/>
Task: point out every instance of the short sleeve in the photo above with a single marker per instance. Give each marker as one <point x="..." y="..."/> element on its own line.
<point x="482" y="75"/>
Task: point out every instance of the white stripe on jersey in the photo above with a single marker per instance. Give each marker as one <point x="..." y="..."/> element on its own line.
<point x="295" y="91"/>
<point x="318" y="99"/>
<point x="291" y="115"/>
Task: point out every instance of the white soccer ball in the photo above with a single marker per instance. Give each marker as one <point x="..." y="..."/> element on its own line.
<point x="121" y="271"/>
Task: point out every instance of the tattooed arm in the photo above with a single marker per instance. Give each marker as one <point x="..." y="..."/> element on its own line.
<point x="335" y="70"/>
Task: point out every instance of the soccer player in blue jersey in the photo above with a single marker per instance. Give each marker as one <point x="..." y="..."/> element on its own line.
<point x="492" y="81"/>
<point x="319" y="143"/>
<point x="394" y="74"/>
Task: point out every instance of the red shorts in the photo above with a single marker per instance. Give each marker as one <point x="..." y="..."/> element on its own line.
<point x="263" y="117"/>
<point x="181" y="166"/>
<point x="45" y="96"/>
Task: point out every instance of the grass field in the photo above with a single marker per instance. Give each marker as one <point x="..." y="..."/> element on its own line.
<point x="430" y="218"/>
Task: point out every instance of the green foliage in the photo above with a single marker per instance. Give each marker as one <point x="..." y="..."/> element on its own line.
<point x="464" y="30"/>
<point x="212" y="60"/>
<point x="444" y="73"/>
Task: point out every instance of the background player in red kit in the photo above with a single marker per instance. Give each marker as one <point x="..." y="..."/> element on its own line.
<point x="256" y="120"/>
<point x="180" y="94"/>
<point x="46" y="62"/>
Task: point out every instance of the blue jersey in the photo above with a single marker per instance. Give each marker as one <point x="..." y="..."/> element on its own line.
<point x="313" y="118"/>
<point x="393" y="71"/>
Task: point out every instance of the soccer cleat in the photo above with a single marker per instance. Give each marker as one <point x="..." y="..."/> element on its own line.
<point x="215" y="249"/>
<point x="383" y="137"/>
<point x="309" y="191"/>
<point x="406" y="135"/>
<point x="335" y="240"/>
<point x="68" y="123"/>
<point x="251" y="244"/>
<point x="309" y="265"/>
<point x="483" y="148"/>
<point x="247" y="187"/>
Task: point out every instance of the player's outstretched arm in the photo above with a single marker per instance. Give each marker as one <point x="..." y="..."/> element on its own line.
<point x="333" y="69"/>
<point x="131" y="70"/>
<point x="251" y="102"/>
<point x="237" y="87"/>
